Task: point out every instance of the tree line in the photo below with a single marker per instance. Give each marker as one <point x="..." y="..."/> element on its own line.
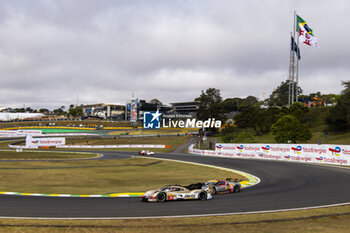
<point x="272" y="115"/>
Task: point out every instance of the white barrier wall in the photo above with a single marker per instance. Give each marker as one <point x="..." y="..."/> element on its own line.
<point x="111" y="146"/>
<point x="329" y="154"/>
<point x="191" y="150"/>
<point x="19" y="133"/>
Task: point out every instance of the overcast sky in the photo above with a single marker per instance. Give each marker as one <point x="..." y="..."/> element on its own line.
<point x="58" y="52"/>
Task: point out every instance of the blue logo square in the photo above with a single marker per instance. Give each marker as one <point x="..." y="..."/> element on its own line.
<point x="151" y="120"/>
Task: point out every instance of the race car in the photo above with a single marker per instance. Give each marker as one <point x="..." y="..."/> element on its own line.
<point x="146" y="152"/>
<point x="178" y="192"/>
<point x="224" y="186"/>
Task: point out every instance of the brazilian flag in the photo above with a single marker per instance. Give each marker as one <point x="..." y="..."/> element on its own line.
<point x="302" y="22"/>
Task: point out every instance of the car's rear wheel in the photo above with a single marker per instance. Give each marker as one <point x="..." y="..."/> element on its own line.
<point x="161" y="197"/>
<point x="202" y="196"/>
<point x="236" y="189"/>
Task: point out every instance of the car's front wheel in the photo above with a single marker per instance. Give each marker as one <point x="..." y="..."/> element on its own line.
<point x="202" y="196"/>
<point x="161" y="197"/>
<point x="236" y="189"/>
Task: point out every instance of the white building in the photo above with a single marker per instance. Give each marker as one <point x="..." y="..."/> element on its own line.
<point x="9" y="116"/>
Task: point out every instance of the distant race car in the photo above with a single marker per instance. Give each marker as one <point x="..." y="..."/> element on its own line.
<point x="178" y="192"/>
<point x="226" y="186"/>
<point x="146" y="152"/>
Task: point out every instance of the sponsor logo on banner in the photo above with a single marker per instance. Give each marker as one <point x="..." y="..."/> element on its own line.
<point x="218" y="149"/>
<point x="36" y="142"/>
<point x="266" y="148"/>
<point x="335" y="151"/>
<point x="297" y="150"/>
<point x="30" y="132"/>
<point x="287" y="157"/>
<point x="261" y="155"/>
<point x="319" y="159"/>
<point x="240" y="148"/>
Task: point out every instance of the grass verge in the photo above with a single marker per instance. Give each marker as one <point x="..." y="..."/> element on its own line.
<point x="102" y="176"/>
<point x="334" y="219"/>
<point x="12" y="155"/>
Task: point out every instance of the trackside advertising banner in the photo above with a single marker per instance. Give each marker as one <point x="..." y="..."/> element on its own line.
<point x="36" y="142"/>
<point x="328" y="154"/>
<point x="19" y="133"/>
<point x="200" y="152"/>
<point x="112" y="146"/>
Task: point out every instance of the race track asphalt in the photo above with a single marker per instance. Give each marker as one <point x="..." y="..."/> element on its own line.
<point x="283" y="185"/>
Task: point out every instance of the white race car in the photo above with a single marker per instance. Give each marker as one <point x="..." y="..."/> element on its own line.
<point x="177" y="192"/>
<point x="146" y="152"/>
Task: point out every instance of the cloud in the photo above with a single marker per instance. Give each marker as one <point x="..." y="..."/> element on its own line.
<point x="52" y="52"/>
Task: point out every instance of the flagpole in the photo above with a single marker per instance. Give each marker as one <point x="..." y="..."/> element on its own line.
<point x="293" y="60"/>
<point x="297" y="72"/>
<point x="290" y="71"/>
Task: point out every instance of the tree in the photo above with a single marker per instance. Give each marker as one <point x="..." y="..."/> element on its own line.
<point x="266" y="118"/>
<point x="75" y="112"/>
<point x="210" y="105"/>
<point x="299" y="110"/>
<point x="289" y="129"/>
<point x="339" y="115"/>
<point x="247" y="118"/>
<point x="19" y="110"/>
<point x="279" y="96"/>
<point x="231" y="104"/>
<point x="250" y="101"/>
<point x="43" y="110"/>
<point x="29" y="109"/>
<point x="59" y="111"/>
<point x="229" y="133"/>
<point x="156" y="102"/>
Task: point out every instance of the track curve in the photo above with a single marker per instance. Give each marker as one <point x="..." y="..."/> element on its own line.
<point x="283" y="185"/>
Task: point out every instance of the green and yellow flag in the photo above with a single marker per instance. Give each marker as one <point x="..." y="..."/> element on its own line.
<point x="302" y="22"/>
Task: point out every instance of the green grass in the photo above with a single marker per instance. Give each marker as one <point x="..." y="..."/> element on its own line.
<point x="267" y="222"/>
<point x="11" y="154"/>
<point x="102" y="176"/>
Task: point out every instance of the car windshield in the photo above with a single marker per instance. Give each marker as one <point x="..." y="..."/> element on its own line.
<point x="211" y="182"/>
<point x="165" y="188"/>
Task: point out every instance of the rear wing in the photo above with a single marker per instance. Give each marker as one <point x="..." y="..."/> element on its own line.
<point x="234" y="180"/>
